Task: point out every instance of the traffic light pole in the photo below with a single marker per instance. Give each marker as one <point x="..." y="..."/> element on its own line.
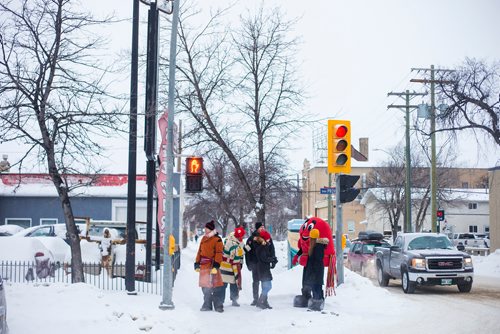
<point x="167" y="303"/>
<point x="338" y="233"/>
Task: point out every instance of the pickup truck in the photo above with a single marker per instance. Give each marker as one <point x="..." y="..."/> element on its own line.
<point x="424" y="259"/>
<point x="468" y="240"/>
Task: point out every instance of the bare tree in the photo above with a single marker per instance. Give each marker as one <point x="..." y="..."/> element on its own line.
<point x="474" y="97"/>
<point x="390" y="179"/>
<point x="242" y="92"/>
<point x="53" y="94"/>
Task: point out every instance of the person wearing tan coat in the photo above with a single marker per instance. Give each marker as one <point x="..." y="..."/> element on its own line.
<point x="208" y="260"/>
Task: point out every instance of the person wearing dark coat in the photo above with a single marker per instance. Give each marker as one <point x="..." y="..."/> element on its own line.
<point x="314" y="270"/>
<point x="265" y="262"/>
<point x="251" y="259"/>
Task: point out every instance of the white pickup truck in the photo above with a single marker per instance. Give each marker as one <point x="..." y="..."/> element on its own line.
<point x="468" y="240"/>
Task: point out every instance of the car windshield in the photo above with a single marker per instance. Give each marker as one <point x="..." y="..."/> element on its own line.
<point x="430" y="242"/>
<point x="368" y="249"/>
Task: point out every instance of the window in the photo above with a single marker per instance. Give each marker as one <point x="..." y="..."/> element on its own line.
<point x="48" y="221"/>
<point x="472" y="206"/>
<point x="473" y="228"/>
<point x="486" y="229"/>
<point x="23" y="222"/>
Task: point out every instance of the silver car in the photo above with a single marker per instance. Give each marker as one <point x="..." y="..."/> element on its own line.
<point x="3" y="309"/>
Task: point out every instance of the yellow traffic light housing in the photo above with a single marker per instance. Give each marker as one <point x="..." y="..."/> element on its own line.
<point x="339" y="146"/>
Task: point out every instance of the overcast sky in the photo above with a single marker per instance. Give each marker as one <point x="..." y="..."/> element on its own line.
<point x="353" y="53"/>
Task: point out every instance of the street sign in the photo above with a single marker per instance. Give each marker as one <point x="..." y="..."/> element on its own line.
<point x="327" y="191"/>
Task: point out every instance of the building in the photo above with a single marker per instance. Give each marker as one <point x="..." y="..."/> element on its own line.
<point x="31" y="199"/>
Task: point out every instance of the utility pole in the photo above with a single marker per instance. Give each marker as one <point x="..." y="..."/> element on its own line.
<point x="132" y="156"/>
<point x="407" y="96"/>
<point x="432" y="81"/>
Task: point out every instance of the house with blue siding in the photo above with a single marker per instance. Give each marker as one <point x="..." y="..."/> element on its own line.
<point x="31" y="199"/>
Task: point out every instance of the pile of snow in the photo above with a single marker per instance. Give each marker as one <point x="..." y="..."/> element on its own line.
<point x="487" y="265"/>
<point x="360" y="306"/>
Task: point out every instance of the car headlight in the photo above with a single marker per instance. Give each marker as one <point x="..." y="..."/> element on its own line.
<point x="468" y="262"/>
<point x="418" y="263"/>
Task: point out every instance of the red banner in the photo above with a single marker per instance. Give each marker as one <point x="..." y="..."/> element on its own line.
<point x="162" y="177"/>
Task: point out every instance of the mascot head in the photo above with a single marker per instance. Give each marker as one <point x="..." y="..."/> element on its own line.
<point x="324" y="232"/>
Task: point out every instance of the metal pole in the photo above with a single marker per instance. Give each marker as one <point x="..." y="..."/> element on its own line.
<point x="166" y="303"/>
<point x="329" y="199"/>
<point x="408" y="227"/>
<point x="433" y="156"/>
<point x="150" y="126"/>
<point x="338" y="234"/>
<point x="132" y="157"/>
<point x="299" y="198"/>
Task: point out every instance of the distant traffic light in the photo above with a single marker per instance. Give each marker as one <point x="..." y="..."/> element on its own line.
<point x="339" y="146"/>
<point x="440" y="215"/>
<point x="347" y="192"/>
<point x="194" y="174"/>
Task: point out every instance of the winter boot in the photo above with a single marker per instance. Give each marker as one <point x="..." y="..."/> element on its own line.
<point x="316" y="304"/>
<point x="266" y="304"/>
<point x="235" y="303"/>
<point x="219" y="309"/>
<point x="255" y="290"/>
<point x="262" y="303"/>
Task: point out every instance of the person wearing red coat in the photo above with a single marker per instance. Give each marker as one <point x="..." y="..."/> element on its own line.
<point x="208" y="260"/>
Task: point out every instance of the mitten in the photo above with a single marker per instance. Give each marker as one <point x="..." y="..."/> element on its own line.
<point x="196" y="266"/>
<point x="295" y="259"/>
<point x="273" y="263"/>
<point x="213" y="271"/>
<point x="216" y="265"/>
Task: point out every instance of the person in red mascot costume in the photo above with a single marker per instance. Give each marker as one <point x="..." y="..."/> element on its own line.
<point x="302" y="256"/>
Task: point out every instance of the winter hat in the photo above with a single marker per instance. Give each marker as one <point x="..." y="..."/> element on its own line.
<point x="314" y="234"/>
<point x="239" y="232"/>
<point x="265" y="235"/>
<point x="258" y="225"/>
<point x="210" y="225"/>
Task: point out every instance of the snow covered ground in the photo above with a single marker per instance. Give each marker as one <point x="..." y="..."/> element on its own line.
<point x="360" y="306"/>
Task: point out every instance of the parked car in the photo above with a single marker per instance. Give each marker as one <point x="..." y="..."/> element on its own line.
<point x="485" y="237"/>
<point x="468" y="240"/>
<point x="50" y="230"/>
<point x="361" y="256"/>
<point x="3" y="308"/>
<point x="8" y="230"/>
<point x="424" y="259"/>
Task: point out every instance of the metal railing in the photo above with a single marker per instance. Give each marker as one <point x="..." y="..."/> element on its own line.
<point x="94" y="273"/>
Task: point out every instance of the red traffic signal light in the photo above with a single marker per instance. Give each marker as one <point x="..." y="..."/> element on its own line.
<point x="440" y="215"/>
<point x="194" y="174"/>
<point x="339" y="146"/>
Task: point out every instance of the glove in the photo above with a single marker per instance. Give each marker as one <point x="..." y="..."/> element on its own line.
<point x="196" y="267"/>
<point x="216" y="265"/>
<point x="295" y="259"/>
<point x="213" y="271"/>
<point x="273" y="263"/>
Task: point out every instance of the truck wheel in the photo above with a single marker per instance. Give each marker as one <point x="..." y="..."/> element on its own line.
<point x="465" y="287"/>
<point x="408" y="286"/>
<point x="382" y="278"/>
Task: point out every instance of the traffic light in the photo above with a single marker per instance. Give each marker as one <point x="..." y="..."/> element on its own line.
<point x="347" y="192"/>
<point x="339" y="146"/>
<point x="440" y="215"/>
<point x="194" y="174"/>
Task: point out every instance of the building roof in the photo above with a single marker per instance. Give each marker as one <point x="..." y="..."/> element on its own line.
<point x="472" y="195"/>
<point x="40" y="185"/>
